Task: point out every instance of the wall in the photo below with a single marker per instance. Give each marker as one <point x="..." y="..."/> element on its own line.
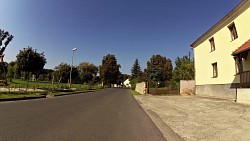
<point x="243" y="96"/>
<point x="224" y="47"/>
<point x="187" y="87"/>
<point x="141" y="88"/>
<point x="227" y="91"/>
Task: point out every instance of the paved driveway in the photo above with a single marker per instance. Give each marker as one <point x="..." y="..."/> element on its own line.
<point x="196" y="118"/>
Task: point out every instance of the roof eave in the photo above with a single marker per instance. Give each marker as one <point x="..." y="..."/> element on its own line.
<point x="218" y="26"/>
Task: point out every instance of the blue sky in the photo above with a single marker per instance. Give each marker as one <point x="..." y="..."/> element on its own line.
<point x="129" y="29"/>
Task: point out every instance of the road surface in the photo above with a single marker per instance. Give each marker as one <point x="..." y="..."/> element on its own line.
<point x="109" y="115"/>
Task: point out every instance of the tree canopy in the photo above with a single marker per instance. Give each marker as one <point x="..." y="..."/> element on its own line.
<point x="184" y="69"/>
<point x="136" y="70"/>
<point x="62" y="73"/>
<point x="29" y="60"/>
<point x="87" y="71"/>
<point x="109" y="70"/>
<point x="159" y="68"/>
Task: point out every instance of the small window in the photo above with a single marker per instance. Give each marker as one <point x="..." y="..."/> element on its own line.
<point x="233" y="31"/>
<point x="238" y="65"/>
<point x="215" y="70"/>
<point x="212" y="44"/>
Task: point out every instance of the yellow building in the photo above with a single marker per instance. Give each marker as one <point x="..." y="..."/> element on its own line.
<point x="222" y="58"/>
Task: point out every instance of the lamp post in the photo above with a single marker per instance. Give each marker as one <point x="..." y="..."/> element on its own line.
<point x="74" y="49"/>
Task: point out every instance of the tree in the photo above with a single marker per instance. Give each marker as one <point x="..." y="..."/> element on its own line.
<point x="17" y="71"/>
<point x="30" y="61"/>
<point x="87" y="71"/>
<point x="136" y="70"/>
<point x="159" y="68"/>
<point x="10" y="70"/>
<point x="109" y="70"/>
<point x="62" y="73"/>
<point x="184" y="69"/>
<point x="4" y="35"/>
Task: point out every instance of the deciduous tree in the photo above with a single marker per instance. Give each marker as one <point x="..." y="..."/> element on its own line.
<point x="62" y="73"/>
<point x="184" y="69"/>
<point x="28" y="60"/>
<point x="159" y="68"/>
<point x="109" y="70"/>
<point x="87" y="71"/>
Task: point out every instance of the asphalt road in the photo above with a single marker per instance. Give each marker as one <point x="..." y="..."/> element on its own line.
<point x="110" y="115"/>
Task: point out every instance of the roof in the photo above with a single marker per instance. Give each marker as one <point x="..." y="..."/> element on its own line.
<point x="242" y="48"/>
<point x="241" y="7"/>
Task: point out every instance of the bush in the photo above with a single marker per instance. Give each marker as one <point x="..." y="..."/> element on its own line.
<point x="133" y="83"/>
<point x="174" y="85"/>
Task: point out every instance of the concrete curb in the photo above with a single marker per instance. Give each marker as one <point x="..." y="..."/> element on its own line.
<point x="167" y="132"/>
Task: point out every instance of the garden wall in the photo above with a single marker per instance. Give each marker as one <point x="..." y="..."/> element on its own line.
<point x="141" y="88"/>
<point x="187" y="87"/>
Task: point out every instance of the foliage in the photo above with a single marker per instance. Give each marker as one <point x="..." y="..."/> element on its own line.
<point x="122" y="78"/>
<point x="136" y="70"/>
<point x="87" y="71"/>
<point x="109" y="70"/>
<point x="3" y="70"/>
<point x="17" y="71"/>
<point x="28" y="60"/>
<point x="44" y="75"/>
<point x="184" y="69"/>
<point x="62" y="73"/>
<point x="159" y="68"/>
<point x="3" y="36"/>
<point x="10" y="71"/>
<point x="133" y="83"/>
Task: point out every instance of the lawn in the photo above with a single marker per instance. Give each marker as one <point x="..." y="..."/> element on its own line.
<point x="19" y="95"/>
<point x="45" y="87"/>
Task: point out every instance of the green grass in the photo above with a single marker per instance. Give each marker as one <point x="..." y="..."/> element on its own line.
<point x="19" y="83"/>
<point x="48" y="88"/>
<point x="134" y="92"/>
<point x="19" y="95"/>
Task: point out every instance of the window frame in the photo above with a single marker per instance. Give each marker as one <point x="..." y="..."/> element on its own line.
<point x="212" y="44"/>
<point x="233" y="31"/>
<point x="215" y="70"/>
<point x="238" y="65"/>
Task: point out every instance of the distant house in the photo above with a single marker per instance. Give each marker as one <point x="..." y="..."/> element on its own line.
<point x="222" y="58"/>
<point x="126" y="83"/>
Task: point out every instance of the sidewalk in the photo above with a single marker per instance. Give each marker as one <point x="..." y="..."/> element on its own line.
<point x="196" y="118"/>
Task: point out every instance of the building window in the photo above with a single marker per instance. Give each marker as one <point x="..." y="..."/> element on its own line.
<point x="233" y="31"/>
<point x="212" y="44"/>
<point x="215" y="70"/>
<point x="238" y="65"/>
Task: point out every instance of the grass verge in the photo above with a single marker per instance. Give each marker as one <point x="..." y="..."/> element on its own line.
<point x="19" y="95"/>
<point x="134" y="92"/>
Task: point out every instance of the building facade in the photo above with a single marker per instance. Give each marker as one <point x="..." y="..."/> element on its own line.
<point x="222" y="58"/>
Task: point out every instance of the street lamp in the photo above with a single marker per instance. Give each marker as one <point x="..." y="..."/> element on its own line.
<point x="74" y="49"/>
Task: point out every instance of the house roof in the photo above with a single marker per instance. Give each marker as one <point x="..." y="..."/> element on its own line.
<point x="242" y="48"/>
<point x="241" y="7"/>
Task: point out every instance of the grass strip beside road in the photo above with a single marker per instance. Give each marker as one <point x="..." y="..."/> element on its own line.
<point x="133" y="92"/>
<point x="19" y="95"/>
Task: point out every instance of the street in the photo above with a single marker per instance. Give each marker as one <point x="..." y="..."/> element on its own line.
<point x="109" y="115"/>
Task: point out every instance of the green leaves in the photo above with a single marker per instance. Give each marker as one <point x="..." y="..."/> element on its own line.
<point x="87" y="71"/>
<point x="184" y="69"/>
<point x="29" y="60"/>
<point x="109" y="70"/>
<point x="159" y="68"/>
